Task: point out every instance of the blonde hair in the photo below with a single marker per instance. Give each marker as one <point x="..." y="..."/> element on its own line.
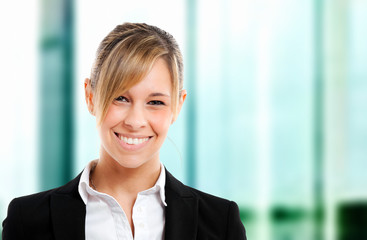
<point x="125" y="56"/>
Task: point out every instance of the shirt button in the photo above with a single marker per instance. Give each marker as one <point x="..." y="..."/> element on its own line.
<point x="139" y="209"/>
<point x="141" y="225"/>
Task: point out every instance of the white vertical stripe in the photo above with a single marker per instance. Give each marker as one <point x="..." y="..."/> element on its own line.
<point x="18" y="99"/>
<point x="263" y="120"/>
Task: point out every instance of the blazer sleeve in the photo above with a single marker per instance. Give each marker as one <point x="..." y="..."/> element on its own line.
<point x="235" y="228"/>
<point x="12" y="225"/>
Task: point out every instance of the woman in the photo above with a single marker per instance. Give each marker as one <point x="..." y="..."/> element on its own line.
<point x="135" y="92"/>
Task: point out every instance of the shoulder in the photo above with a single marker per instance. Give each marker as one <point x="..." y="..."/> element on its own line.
<point x="206" y="197"/>
<point x="216" y="208"/>
<point x="37" y="201"/>
<point x="216" y="216"/>
<point x="206" y="200"/>
<point x="30" y="210"/>
<point x="33" y="211"/>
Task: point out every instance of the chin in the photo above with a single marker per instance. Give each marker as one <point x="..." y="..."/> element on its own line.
<point x="132" y="163"/>
<point x="129" y="164"/>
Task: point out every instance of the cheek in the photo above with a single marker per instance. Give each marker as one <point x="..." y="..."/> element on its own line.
<point x="161" y="121"/>
<point x="111" y="119"/>
<point x="113" y="116"/>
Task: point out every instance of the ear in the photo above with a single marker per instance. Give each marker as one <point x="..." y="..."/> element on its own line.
<point x="89" y="95"/>
<point x="180" y="103"/>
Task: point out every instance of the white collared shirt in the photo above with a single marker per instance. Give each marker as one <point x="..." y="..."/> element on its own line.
<point x="106" y="220"/>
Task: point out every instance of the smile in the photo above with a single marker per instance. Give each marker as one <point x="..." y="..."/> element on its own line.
<point x="131" y="140"/>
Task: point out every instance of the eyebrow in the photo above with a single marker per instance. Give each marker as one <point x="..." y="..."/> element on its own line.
<point x="158" y="95"/>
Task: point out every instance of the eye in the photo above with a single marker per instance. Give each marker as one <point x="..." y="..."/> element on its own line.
<point x="121" y="99"/>
<point x="156" y="102"/>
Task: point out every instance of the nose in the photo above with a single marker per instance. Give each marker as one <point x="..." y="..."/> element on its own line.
<point x="135" y="118"/>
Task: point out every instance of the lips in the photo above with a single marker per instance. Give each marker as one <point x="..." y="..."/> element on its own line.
<point x="132" y="140"/>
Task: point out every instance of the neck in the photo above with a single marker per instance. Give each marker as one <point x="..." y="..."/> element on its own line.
<point x="114" y="179"/>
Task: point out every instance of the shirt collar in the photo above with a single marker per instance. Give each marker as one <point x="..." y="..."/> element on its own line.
<point x="84" y="188"/>
<point x="84" y="182"/>
<point x="161" y="183"/>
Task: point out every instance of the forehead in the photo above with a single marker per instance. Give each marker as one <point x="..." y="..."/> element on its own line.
<point x="157" y="80"/>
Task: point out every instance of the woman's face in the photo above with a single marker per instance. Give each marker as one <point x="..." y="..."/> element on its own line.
<point x="137" y="122"/>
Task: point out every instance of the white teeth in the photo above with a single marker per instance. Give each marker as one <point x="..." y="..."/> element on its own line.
<point x="133" y="141"/>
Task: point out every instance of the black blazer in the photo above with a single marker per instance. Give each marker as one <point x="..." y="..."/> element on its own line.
<point x="60" y="214"/>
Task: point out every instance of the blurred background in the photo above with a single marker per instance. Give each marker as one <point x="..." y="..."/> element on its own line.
<point x="275" y="118"/>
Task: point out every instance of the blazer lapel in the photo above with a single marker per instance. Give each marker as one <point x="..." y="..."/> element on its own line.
<point x="181" y="211"/>
<point x="68" y="212"/>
